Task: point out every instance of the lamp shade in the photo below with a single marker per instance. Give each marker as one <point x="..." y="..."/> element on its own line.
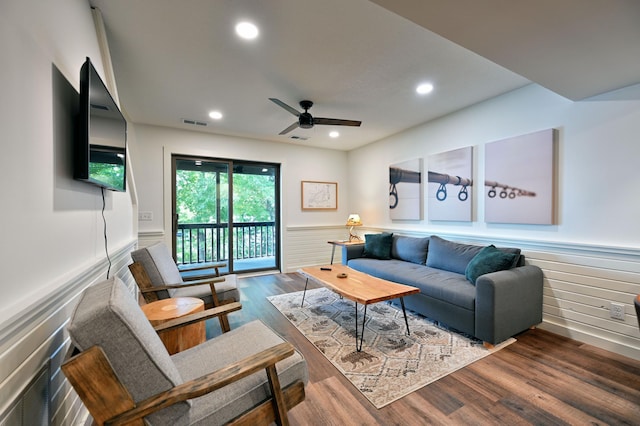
<point x="354" y="220"/>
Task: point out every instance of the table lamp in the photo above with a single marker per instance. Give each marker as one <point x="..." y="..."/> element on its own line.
<point x="353" y="220"/>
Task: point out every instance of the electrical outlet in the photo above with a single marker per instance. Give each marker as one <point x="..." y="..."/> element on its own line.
<point x="617" y="311"/>
<point x="145" y="216"/>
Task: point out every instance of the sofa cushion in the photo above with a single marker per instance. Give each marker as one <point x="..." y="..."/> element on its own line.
<point x="443" y="285"/>
<point x="489" y="259"/>
<point x="450" y="256"/>
<point x="378" y="246"/>
<point x="410" y="249"/>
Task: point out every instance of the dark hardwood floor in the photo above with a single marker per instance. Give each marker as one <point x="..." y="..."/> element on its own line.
<point x="542" y="379"/>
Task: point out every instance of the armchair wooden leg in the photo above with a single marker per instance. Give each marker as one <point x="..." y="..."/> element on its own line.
<point x="280" y="406"/>
<point x="224" y="323"/>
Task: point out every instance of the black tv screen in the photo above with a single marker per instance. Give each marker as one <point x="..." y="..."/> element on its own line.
<point x="100" y="154"/>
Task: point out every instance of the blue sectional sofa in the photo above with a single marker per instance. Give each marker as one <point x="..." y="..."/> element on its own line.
<point x="487" y="292"/>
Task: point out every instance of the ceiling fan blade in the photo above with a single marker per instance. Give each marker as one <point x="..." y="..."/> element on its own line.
<point x="285" y="106"/>
<point x="336" y="121"/>
<point x="290" y="128"/>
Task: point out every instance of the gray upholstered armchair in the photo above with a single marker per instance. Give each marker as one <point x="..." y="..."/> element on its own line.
<point x="158" y="277"/>
<point x="124" y="374"/>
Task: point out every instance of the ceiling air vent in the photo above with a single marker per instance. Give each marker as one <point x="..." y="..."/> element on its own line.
<point x="299" y="138"/>
<point x="194" y="122"/>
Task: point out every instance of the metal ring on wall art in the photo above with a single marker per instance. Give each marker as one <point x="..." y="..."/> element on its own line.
<point x="393" y="195"/>
<point x="492" y="192"/>
<point x="441" y="193"/>
<point x="512" y="194"/>
<point x="463" y="194"/>
<point x="503" y="193"/>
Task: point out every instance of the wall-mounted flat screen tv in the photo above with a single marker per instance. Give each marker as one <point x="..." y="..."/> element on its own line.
<point x="100" y="148"/>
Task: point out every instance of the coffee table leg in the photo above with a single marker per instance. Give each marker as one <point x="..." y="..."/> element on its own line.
<point x="405" y="315"/>
<point x="364" y="319"/>
<point x="305" y="292"/>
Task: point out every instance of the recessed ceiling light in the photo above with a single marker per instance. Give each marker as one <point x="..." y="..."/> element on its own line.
<point x="216" y="115"/>
<point x="424" y="88"/>
<point x="247" y="30"/>
<point x="334" y="134"/>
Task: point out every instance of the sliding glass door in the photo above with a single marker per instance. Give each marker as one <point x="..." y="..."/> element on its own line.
<point x="209" y="225"/>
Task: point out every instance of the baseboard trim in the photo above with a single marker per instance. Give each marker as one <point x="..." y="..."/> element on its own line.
<point x="591" y="339"/>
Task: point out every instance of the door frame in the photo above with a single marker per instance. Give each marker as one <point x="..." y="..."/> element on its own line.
<point x="231" y="163"/>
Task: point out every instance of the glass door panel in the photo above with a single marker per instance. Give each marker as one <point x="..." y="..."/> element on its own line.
<point x="255" y="216"/>
<point x="201" y="208"/>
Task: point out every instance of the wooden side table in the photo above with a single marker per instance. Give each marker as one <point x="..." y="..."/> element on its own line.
<point x="342" y="243"/>
<point x="182" y="338"/>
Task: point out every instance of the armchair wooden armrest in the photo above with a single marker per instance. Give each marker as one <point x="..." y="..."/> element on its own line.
<point x="186" y="269"/>
<point x="266" y="359"/>
<point x="207" y="281"/>
<point x="151" y="292"/>
<point x="90" y="373"/>
<point x="198" y="316"/>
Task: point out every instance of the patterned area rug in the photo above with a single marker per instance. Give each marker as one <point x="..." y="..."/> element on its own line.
<point x="391" y="364"/>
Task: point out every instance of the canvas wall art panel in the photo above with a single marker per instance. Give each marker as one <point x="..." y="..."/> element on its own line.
<point x="405" y="190"/>
<point x="450" y="184"/>
<point x="519" y="179"/>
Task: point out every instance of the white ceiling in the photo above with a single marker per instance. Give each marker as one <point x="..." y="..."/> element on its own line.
<point x="356" y="60"/>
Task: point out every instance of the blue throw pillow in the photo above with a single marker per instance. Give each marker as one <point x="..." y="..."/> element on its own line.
<point x="489" y="259"/>
<point x="378" y="246"/>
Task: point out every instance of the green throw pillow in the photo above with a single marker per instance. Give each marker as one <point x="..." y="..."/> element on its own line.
<point x="488" y="260"/>
<point x="378" y="246"/>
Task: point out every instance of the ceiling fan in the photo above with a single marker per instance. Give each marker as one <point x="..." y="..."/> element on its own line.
<point x="307" y="121"/>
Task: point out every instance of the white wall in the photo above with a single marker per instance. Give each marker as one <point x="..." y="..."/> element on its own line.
<point x="52" y="229"/>
<point x="152" y="162"/>
<point x="591" y="257"/>
<point x="597" y="154"/>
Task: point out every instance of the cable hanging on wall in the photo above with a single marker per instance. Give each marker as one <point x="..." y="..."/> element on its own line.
<point x="507" y="191"/>
<point x="106" y="245"/>
<point x="444" y="179"/>
<point x="397" y="176"/>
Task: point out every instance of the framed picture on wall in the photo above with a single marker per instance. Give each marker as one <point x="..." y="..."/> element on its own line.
<point x="520" y="179"/>
<point x="319" y="195"/>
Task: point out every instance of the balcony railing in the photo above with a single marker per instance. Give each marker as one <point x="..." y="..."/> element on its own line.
<point x="209" y="242"/>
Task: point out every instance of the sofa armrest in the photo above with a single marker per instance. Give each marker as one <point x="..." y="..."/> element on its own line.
<point x="352" y="252"/>
<point x="508" y="302"/>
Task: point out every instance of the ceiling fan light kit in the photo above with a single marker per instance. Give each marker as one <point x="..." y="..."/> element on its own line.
<point x="307" y="121"/>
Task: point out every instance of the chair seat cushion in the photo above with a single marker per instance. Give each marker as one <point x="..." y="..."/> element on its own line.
<point x="226" y="291"/>
<point x="223" y="405"/>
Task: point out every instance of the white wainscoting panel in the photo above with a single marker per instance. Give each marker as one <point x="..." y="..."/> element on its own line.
<point x="578" y="292"/>
<point x="308" y="245"/>
<point x="147" y="238"/>
<point x="38" y="338"/>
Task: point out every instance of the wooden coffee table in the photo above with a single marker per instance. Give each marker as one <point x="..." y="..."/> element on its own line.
<point x="358" y="287"/>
